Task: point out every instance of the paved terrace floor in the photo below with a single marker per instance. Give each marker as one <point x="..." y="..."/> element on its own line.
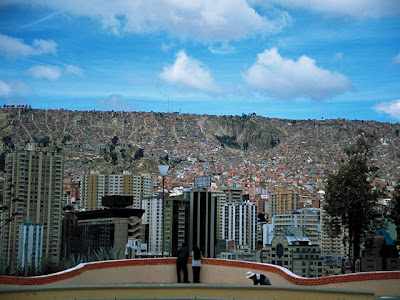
<point x="220" y="279"/>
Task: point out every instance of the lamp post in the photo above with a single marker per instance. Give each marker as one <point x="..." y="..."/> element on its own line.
<point x="163" y="172"/>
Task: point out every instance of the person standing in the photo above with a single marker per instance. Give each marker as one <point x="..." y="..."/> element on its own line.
<point x="181" y="263"/>
<point x="196" y="264"/>
<point x="260" y="279"/>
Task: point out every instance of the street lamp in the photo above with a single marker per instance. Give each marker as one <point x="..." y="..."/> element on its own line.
<point x="163" y="172"/>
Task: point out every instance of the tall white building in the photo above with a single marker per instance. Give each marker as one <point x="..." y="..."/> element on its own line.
<point x="153" y="217"/>
<point x="240" y="223"/>
<point x="30" y="246"/>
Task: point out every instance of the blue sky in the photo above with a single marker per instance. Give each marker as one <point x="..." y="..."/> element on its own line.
<point x="295" y="59"/>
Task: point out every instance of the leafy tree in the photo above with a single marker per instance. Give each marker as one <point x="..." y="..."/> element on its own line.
<point x="350" y="196"/>
<point x="395" y="210"/>
<point x="114" y="140"/>
<point x="138" y="154"/>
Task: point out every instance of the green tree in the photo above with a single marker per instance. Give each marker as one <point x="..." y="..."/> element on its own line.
<point x="350" y="196"/>
<point x="395" y="210"/>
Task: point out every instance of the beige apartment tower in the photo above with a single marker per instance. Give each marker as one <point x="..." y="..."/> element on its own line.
<point x="282" y="201"/>
<point x="33" y="194"/>
<point x="94" y="186"/>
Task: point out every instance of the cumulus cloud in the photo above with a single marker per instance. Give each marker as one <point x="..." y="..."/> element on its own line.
<point x="286" y="78"/>
<point x="397" y="58"/>
<point x="53" y="72"/>
<point x="190" y="73"/>
<point x="13" y="88"/>
<point x="352" y="8"/>
<point x="115" y="102"/>
<point x="391" y="108"/>
<point x="207" y="21"/>
<point x="45" y="72"/>
<point x="14" y="47"/>
<point x="70" y="69"/>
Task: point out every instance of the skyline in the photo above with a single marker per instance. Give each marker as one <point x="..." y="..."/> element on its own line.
<point x="286" y="59"/>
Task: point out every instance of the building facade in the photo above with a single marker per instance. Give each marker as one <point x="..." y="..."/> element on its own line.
<point x="30" y="246"/>
<point x="177" y="223"/>
<point x="307" y="220"/>
<point x="282" y="201"/>
<point x="33" y="193"/>
<point x="240" y="223"/>
<point x="203" y="221"/>
<point x="297" y="254"/>
<point x="153" y="217"/>
<point x="94" y="186"/>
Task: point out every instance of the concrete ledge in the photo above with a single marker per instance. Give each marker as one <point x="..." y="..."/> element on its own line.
<point x="183" y="291"/>
<point x="213" y="271"/>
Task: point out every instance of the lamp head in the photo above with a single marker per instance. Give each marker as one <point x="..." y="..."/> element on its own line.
<point x="163" y="170"/>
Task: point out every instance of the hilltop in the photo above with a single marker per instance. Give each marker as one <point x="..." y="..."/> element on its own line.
<point x="254" y="150"/>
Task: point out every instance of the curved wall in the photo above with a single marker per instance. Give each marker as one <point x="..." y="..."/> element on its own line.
<point x="162" y="270"/>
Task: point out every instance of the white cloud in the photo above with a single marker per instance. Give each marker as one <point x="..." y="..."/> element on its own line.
<point x="397" y="58"/>
<point x="115" y="102"/>
<point x="13" y="88"/>
<point x="391" y="108"/>
<point x="167" y="47"/>
<point x="222" y="49"/>
<point x="352" y="8"/>
<point x="46" y="72"/>
<point x="14" y="47"/>
<point x="5" y="89"/>
<point x="70" y="69"/>
<point x="286" y="78"/>
<point x="190" y="73"/>
<point x="207" y="21"/>
<point x="53" y="72"/>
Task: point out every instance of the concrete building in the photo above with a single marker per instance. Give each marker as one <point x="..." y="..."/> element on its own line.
<point x="282" y="201"/>
<point x="30" y="246"/>
<point x="153" y="217"/>
<point x="233" y="194"/>
<point x="106" y="228"/>
<point x="177" y="223"/>
<point x="240" y="223"/>
<point x="203" y="221"/>
<point x="330" y="245"/>
<point x="33" y="184"/>
<point x="307" y="220"/>
<point x="294" y="253"/>
<point x="221" y="201"/>
<point x="94" y="186"/>
<point x="93" y="190"/>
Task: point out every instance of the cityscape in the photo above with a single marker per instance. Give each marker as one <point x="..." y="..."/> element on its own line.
<point x="257" y="142"/>
<point x="255" y="197"/>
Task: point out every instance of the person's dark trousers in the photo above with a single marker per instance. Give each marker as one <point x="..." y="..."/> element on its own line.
<point x="196" y="274"/>
<point x="182" y="266"/>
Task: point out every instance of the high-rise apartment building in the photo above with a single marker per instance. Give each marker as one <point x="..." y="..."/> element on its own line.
<point x="221" y="201"/>
<point x="330" y="245"/>
<point x="203" y="221"/>
<point x="282" y="201"/>
<point x="33" y="193"/>
<point x="239" y="223"/>
<point x="153" y="217"/>
<point x="177" y="225"/>
<point x="94" y="186"/>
